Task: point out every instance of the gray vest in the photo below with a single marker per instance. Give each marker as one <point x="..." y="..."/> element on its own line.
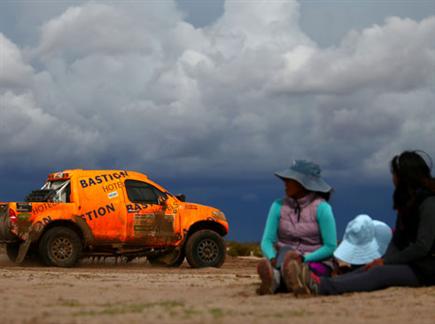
<point x="298" y="226"/>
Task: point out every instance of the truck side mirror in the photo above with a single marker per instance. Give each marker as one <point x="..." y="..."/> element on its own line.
<point x="162" y="200"/>
<point x="181" y="197"/>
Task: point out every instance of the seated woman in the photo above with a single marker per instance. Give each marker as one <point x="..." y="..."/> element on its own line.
<point x="364" y="241"/>
<point x="300" y="226"/>
<point x="410" y="257"/>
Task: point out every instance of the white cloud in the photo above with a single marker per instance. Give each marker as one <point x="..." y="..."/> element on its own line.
<point x="393" y="57"/>
<point x="91" y="29"/>
<point x="13" y="71"/>
<point x="34" y="138"/>
<point x="133" y="85"/>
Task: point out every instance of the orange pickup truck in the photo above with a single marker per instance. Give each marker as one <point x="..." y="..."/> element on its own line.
<point x="79" y="213"/>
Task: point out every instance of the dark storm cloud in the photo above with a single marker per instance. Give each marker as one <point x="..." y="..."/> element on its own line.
<point x="134" y="85"/>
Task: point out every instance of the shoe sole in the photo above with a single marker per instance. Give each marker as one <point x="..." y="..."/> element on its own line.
<point x="288" y="281"/>
<point x="297" y="276"/>
<point x="265" y="272"/>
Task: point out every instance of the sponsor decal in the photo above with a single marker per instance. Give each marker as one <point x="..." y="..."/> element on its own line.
<point x="113" y="186"/>
<point x="144" y="222"/>
<point x="102" y="178"/>
<point x="153" y="224"/>
<point x="133" y="208"/>
<point x="24" y="207"/>
<point x="113" y="194"/>
<point x="37" y="209"/>
<point x="46" y="220"/>
<point x="99" y="212"/>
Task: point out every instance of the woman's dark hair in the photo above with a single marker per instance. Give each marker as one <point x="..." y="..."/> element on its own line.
<point x="324" y="195"/>
<point x="413" y="174"/>
<point x="414" y="184"/>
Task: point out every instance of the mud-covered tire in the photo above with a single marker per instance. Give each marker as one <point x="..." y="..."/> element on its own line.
<point x="60" y="247"/>
<point x="205" y="248"/>
<point x="172" y="259"/>
<point x="12" y="251"/>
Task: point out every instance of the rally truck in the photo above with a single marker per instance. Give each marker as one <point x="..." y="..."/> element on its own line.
<point x="106" y="213"/>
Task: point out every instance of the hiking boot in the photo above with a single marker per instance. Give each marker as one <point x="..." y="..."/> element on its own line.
<point x="285" y="269"/>
<point x="302" y="281"/>
<point x="268" y="283"/>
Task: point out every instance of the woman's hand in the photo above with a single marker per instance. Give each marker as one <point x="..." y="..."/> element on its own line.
<point x="273" y="262"/>
<point x="374" y="263"/>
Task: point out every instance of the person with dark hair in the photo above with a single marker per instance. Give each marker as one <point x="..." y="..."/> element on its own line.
<point x="410" y="257"/>
<point x="300" y="226"/>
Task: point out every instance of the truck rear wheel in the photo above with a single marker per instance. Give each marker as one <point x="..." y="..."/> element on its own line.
<point x="205" y="248"/>
<point x="60" y="247"/>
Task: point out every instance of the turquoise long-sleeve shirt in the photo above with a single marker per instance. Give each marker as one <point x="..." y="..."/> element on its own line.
<point x="328" y="232"/>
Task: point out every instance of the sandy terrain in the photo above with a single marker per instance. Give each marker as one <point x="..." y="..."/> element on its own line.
<point x="138" y="293"/>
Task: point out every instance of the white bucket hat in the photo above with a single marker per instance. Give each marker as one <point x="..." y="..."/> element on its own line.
<point x="364" y="240"/>
<point x="383" y="234"/>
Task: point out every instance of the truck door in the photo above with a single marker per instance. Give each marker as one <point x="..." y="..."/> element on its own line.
<point x="149" y="221"/>
<point x="102" y="207"/>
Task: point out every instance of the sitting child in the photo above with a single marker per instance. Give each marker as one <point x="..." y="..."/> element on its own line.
<point x="364" y="241"/>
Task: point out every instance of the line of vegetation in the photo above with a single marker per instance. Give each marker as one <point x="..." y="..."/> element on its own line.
<point x="243" y="249"/>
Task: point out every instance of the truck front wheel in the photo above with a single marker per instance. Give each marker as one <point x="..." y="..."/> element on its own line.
<point x="205" y="248"/>
<point x="60" y="247"/>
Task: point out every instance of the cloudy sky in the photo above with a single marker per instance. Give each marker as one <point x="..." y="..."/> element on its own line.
<point x="210" y="97"/>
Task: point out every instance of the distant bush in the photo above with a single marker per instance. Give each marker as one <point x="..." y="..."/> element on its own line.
<point x="243" y="249"/>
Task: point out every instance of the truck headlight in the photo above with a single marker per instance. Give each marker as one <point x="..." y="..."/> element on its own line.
<point x="219" y="215"/>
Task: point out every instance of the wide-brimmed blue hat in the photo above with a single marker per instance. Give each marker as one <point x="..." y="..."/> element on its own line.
<point x="307" y="173"/>
<point x="364" y="240"/>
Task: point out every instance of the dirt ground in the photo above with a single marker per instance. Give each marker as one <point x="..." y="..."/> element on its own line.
<point x="105" y="292"/>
